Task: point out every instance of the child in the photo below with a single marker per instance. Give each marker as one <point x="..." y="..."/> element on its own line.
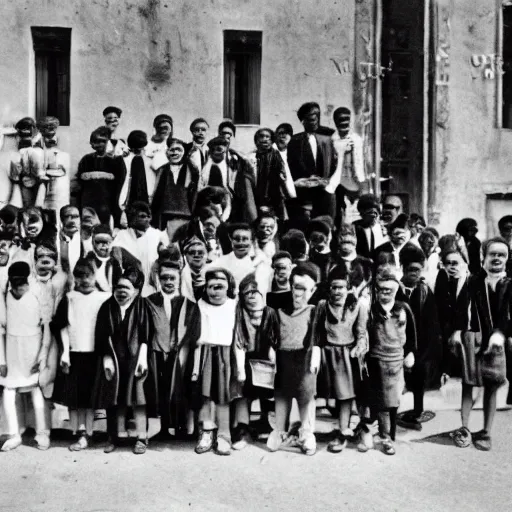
<point x="256" y="336"/>
<point x="280" y="294"/>
<point x="197" y="150"/>
<point x="425" y="373"/>
<point x="73" y="326"/>
<point x="124" y="329"/>
<point x="192" y="275"/>
<point x="99" y="177"/>
<point x="23" y="355"/>
<point x="297" y="362"/>
<point x="481" y="348"/>
<point x="212" y="361"/>
<point x="340" y="331"/>
<point x="171" y="345"/>
<point x="391" y="336"/>
<point x="319" y="237"/>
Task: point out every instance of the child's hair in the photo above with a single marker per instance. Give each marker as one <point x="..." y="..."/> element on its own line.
<point x="101" y="229"/>
<point x="306" y="268"/>
<point x="228" y="124"/>
<point x="339" y="272"/>
<point x="134" y="275"/>
<point x="263" y="130"/>
<point x="411" y="253"/>
<point x="83" y="267"/>
<point x="464" y="226"/>
<point x="100" y="132"/>
<point x="211" y="195"/>
<point x="504" y="220"/>
<point x="206" y="212"/>
<point x="25" y="123"/>
<point x="448" y="244"/>
<point x="47" y="122"/>
<point x="238" y="226"/>
<point x="305" y="108"/>
<point x="197" y="121"/>
<point x="294" y="242"/>
<point x="213" y="273"/>
<point x="416" y="218"/>
<point x="162" y="118"/>
<point x="285" y="127"/>
<point x="494" y="240"/>
<point x="174" y="140"/>
<point x="169" y="263"/>
<point x="138" y="207"/>
<point x="18" y="272"/>
<point x="281" y="255"/>
<point x="49" y="246"/>
<point x="341" y="111"/>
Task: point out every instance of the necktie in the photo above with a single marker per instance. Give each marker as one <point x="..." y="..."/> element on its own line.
<point x="138" y="185"/>
<point x="372" y="240"/>
<point x="215" y="176"/>
<point x="203" y="157"/>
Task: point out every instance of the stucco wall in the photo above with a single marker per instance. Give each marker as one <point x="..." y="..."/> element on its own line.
<point x="156" y="56"/>
<point x="478" y="156"/>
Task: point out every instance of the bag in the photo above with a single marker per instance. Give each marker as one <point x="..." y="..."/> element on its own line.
<point x="494" y="368"/>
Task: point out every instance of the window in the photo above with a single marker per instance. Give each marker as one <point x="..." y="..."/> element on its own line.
<point x="242" y="76"/>
<point x="506" y="106"/>
<point x="52" y="46"/>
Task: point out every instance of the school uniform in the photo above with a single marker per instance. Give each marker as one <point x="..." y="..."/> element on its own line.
<point x="340" y="375"/>
<point x="77" y="312"/>
<point x="119" y="334"/>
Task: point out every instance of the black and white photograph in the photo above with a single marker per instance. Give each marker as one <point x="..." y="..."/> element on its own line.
<point x="255" y="255"/>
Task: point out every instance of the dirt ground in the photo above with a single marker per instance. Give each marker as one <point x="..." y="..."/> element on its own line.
<point x="428" y="473"/>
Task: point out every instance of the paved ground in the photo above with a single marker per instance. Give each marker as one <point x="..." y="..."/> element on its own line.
<point x="428" y="473"/>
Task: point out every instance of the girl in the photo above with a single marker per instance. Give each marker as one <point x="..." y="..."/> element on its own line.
<point x="256" y="336"/>
<point x="23" y="355"/>
<point x="391" y="337"/>
<point x="340" y="330"/>
<point x="73" y="326"/>
<point x="212" y="360"/>
<point x="126" y="376"/>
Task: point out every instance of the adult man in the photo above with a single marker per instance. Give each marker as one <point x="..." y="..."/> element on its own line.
<point x="197" y="150"/>
<point x="368" y="229"/>
<point x="311" y="155"/>
<point x="115" y="146"/>
<point x="392" y="207"/>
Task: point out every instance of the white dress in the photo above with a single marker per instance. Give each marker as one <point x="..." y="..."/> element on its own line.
<point x="23" y="342"/>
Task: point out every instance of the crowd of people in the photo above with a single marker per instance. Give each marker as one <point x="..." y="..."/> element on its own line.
<point x="185" y="280"/>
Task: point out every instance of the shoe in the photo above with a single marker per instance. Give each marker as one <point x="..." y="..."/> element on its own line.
<point x="275" y="440"/>
<point x="140" y="447"/>
<point x="409" y="421"/>
<point x="12" y="443"/>
<point x="42" y="440"/>
<point x="365" y="439"/>
<point x="222" y="446"/>
<point x="110" y="446"/>
<point x="338" y="444"/>
<point x="307" y="443"/>
<point x="205" y="443"/>
<point x="461" y="437"/>
<point x="482" y="441"/>
<point x="100" y="415"/>
<point x="388" y="447"/>
<point x="241" y="437"/>
<point x="81" y="444"/>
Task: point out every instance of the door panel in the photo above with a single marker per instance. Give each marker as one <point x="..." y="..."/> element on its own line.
<point x="402" y="100"/>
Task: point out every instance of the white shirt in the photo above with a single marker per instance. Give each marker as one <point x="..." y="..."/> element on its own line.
<point x="313" y="143"/>
<point x="74" y="249"/>
<point x="378" y="236"/>
<point x="101" y="276"/>
<point x="239" y="267"/>
<point x="152" y="175"/>
<point x="217" y="323"/>
<point x="167" y="304"/>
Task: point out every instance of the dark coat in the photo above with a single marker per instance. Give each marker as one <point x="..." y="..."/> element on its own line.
<point x="121" y="339"/>
<point x="301" y="161"/>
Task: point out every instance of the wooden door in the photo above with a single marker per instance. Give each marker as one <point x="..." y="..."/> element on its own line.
<point x="403" y="101"/>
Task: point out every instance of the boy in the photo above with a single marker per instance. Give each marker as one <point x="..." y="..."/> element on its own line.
<point x="425" y="372"/>
<point x="99" y="178"/>
<point x="369" y="231"/>
<point x="280" y="294"/>
<point x="392" y="343"/>
<point x="115" y="147"/>
<point x="482" y="347"/>
<point x="297" y="362"/>
<point x="197" y="150"/>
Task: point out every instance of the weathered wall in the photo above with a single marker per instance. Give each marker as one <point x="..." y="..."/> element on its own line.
<point x="473" y="156"/>
<point x="158" y="56"/>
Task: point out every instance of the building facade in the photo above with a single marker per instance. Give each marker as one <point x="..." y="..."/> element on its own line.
<point x="427" y="81"/>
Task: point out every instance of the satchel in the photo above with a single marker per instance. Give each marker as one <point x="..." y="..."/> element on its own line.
<point x="494" y="368"/>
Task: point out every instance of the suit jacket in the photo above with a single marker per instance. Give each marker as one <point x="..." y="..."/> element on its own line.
<point x="362" y="246"/>
<point x="301" y="161"/>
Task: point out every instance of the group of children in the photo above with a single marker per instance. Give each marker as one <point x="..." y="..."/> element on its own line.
<point x="176" y="286"/>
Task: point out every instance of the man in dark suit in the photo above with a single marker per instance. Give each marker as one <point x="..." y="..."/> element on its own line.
<point x="369" y="232"/>
<point x="311" y="154"/>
